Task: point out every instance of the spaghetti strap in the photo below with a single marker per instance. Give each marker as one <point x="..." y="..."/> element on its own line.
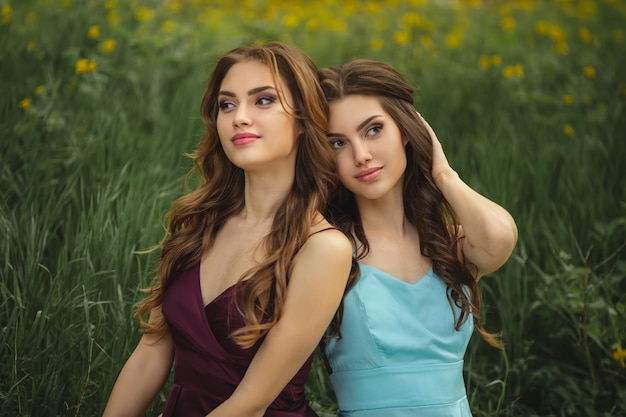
<point x="323" y="230"/>
<point x="319" y="231"/>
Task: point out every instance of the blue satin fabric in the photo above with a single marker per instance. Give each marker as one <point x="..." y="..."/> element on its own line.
<point x="399" y="354"/>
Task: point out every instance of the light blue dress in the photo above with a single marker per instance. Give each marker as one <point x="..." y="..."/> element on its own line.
<point x="399" y="354"/>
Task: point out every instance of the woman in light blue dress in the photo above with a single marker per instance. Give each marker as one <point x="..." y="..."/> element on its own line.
<point x="423" y="239"/>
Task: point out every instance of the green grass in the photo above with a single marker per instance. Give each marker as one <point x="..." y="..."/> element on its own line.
<point x="91" y="165"/>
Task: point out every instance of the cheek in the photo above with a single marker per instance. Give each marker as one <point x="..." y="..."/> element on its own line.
<point x="343" y="165"/>
<point x="220" y="124"/>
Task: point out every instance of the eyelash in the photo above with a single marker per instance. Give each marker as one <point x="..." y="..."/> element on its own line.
<point x="378" y="127"/>
<point x="270" y="99"/>
<point x="225" y="104"/>
<point x="229" y="104"/>
<point x="336" y="144"/>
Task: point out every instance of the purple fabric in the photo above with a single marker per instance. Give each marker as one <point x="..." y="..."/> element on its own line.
<point x="208" y="364"/>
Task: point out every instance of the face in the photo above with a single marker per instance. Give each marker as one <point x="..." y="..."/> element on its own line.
<point x="254" y="128"/>
<point x="369" y="149"/>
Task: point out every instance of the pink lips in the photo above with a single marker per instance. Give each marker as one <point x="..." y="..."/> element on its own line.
<point x="369" y="174"/>
<point x="244" y="138"/>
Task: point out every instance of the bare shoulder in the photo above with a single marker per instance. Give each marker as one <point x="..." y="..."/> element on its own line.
<point x="327" y="239"/>
<point x="322" y="267"/>
<point x="327" y="248"/>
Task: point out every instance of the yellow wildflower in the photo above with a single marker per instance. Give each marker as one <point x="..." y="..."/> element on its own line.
<point x="143" y="14"/>
<point x="174" y="6"/>
<point x="40" y="89"/>
<point x="31" y="18"/>
<point x="596" y="41"/>
<point x="584" y="34"/>
<point x="312" y="23"/>
<point x="568" y="99"/>
<point x="426" y="41"/>
<point x="291" y="21"/>
<point x="556" y="33"/>
<point x="31" y="47"/>
<point x="511" y="71"/>
<point x="589" y="71"/>
<point x="561" y="47"/>
<point x="113" y="17"/>
<point x="372" y="7"/>
<point x="402" y="38"/>
<point x="337" y="25"/>
<point x="508" y="23"/>
<point x="7" y="12"/>
<point x="169" y="26"/>
<point x="484" y="61"/>
<point x="93" y="32"/>
<point x="412" y="18"/>
<point x="85" y="65"/>
<point x="586" y="9"/>
<point x="110" y="4"/>
<point x="618" y="35"/>
<point x="526" y="5"/>
<point x="619" y="355"/>
<point x="541" y="27"/>
<point x="24" y="104"/>
<point x="376" y="44"/>
<point x="568" y="130"/>
<point x="504" y="9"/>
<point x="473" y="3"/>
<point x="108" y="46"/>
<point x="454" y="38"/>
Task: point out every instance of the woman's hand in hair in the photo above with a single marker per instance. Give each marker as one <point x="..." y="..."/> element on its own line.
<point x="488" y="230"/>
<point x="440" y="162"/>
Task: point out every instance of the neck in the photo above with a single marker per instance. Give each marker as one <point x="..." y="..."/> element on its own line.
<point x="383" y="216"/>
<point x="263" y="194"/>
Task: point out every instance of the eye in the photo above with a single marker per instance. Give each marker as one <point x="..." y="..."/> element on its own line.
<point x="337" y="144"/>
<point x="374" y="130"/>
<point x="265" y="100"/>
<point x="226" y="105"/>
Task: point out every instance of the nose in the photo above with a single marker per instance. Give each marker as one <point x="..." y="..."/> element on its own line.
<point x="361" y="153"/>
<point x="241" y="116"/>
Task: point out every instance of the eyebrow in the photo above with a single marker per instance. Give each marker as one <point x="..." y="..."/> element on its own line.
<point x="359" y="127"/>
<point x="252" y="92"/>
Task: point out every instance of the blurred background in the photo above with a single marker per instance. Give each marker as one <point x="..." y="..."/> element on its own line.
<point x="99" y="105"/>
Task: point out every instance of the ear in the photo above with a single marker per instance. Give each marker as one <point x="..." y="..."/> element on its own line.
<point x="299" y="129"/>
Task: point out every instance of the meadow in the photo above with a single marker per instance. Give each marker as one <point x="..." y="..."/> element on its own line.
<point x="99" y="105"/>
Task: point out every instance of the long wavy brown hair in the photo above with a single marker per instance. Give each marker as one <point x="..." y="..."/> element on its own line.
<point x="196" y="218"/>
<point x="425" y="206"/>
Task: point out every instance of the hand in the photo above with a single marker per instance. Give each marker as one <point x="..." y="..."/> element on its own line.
<point x="440" y="162"/>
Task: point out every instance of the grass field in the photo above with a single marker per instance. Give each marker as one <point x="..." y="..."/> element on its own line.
<point x="99" y="103"/>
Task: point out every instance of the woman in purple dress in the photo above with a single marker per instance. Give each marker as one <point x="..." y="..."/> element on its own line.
<point x="251" y="273"/>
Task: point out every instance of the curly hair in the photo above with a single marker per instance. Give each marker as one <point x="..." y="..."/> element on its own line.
<point x="196" y="218"/>
<point x="425" y="206"/>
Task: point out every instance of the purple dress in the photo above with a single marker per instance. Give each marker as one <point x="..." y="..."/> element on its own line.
<point x="208" y="364"/>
